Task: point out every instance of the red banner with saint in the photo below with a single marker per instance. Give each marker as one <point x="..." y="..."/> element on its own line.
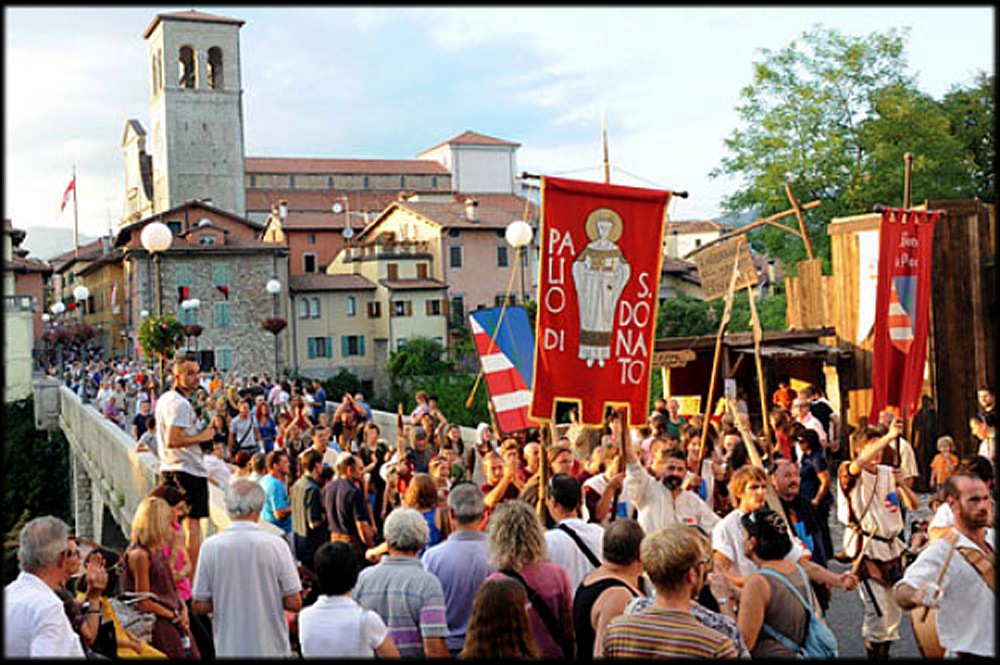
<point x="902" y="309"/>
<point x="601" y="253"/>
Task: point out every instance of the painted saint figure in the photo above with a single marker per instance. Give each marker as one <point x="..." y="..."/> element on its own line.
<point x="600" y="273"/>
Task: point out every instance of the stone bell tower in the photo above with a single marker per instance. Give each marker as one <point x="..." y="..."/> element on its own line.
<point x="196" y="110"/>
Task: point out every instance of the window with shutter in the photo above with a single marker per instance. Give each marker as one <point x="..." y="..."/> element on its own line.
<point x="421" y="271"/>
<point x="374" y="310"/>
<point x="409" y="308"/>
<point x="220" y="274"/>
<point x="345" y="346"/>
<point x="311" y="342"/>
<point x="222" y="315"/>
<point x="352" y="306"/>
<point x="361" y="346"/>
<point x="392" y="271"/>
<point x="328" y="347"/>
<point x="304" y="308"/>
<point x="183" y="274"/>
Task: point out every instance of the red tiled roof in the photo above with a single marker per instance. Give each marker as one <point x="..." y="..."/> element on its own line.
<point x="452" y="215"/>
<point x="469" y="137"/>
<point x="673" y="265"/>
<point x="413" y="284"/>
<point x="263" y="200"/>
<point x="192" y="15"/>
<point x="21" y="264"/>
<point x="695" y="226"/>
<point x="88" y="252"/>
<point x="366" y="166"/>
<point x="325" y="282"/>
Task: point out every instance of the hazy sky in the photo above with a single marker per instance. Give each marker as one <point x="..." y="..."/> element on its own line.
<point x="390" y="82"/>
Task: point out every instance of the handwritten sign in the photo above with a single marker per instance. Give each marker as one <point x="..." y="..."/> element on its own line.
<point x="673" y="358"/>
<point x="715" y="268"/>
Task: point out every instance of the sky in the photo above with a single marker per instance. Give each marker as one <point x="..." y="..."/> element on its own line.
<point x="390" y="82"/>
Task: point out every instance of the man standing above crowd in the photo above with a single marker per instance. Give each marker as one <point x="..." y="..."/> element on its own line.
<point x="246" y="578"/>
<point x="802" y="412"/>
<point x="966" y="626"/>
<point x="179" y="441"/>
<point x="35" y="624"/>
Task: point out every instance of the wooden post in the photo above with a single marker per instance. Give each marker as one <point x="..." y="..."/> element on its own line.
<point x="761" y="386"/>
<point x="547" y="432"/>
<point x="802" y="222"/>
<point x="907" y="179"/>
<point x="715" y="358"/>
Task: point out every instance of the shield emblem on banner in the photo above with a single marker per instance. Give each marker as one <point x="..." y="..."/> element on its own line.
<point x="902" y="301"/>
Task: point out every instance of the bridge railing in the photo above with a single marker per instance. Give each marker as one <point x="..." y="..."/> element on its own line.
<point x="125" y="477"/>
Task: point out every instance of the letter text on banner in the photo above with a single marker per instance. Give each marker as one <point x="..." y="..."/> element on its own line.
<point x="902" y="309"/>
<point x="601" y="253"/>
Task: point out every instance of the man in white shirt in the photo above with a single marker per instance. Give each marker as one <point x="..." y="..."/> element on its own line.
<point x="965" y="625"/>
<point x="802" y="414"/>
<point x="664" y="503"/>
<point x="179" y="443"/>
<point x="246" y="604"/>
<point x="35" y="623"/>
<point x="574" y="544"/>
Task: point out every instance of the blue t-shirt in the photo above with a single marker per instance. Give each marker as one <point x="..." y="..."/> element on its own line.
<point x="275" y="498"/>
<point x="319" y="403"/>
<point x="810" y="467"/>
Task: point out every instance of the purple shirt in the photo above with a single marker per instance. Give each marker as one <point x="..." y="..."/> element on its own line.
<point x="461" y="565"/>
<point x="551" y="581"/>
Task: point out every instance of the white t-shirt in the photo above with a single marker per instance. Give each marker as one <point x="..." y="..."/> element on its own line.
<point x="332" y="628"/>
<point x="727" y="539"/>
<point x="944" y="518"/>
<point x="964" y="623"/>
<point x="218" y="471"/>
<point x="35" y="624"/>
<point x="173" y="410"/>
<point x="564" y="550"/>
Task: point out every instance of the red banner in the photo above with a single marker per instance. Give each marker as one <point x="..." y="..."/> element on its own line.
<point x="902" y="307"/>
<point x="601" y="250"/>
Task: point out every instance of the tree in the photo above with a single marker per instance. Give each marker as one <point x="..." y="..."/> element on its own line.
<point x="685" y="316"/>
<point x="970" y="112"/>
<point x="420" y="356"/>
<point x="832" y="116"/>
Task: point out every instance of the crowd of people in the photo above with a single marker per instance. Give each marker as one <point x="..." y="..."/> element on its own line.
<point x="678" y="539"/>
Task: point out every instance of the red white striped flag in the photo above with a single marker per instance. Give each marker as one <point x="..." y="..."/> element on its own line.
<point x="71" y="187"/>
<point x="507" y="364"/>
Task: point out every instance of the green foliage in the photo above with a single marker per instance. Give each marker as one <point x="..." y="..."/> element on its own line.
<point x="160" y="336"/>
<point x="685" y="316"/>
<point x="452" y="390"/>
<point x="344" y="381"/>
<point x="420" y="356"/>
<point x="970" y="113"/>
<point x="36" y="468"/>
<point x="832" y="116"/>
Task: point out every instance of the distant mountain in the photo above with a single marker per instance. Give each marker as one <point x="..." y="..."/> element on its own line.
<point x="736" y="220"/>
<point x="48" y="242"/>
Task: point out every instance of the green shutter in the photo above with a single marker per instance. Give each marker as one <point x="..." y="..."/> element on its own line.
<point x="329" y="347"/>
<point x="220" y="274"/>
<point x="361" y="345"/>
<point x="345" y="348"/>
<point x="183" y="273"/>
<point x="312" y="347"/>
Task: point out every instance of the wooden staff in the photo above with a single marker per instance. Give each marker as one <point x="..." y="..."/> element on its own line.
<point x="760" y="371"/>
<point x="547" y="432"/>
<point x="944" y="568"/>
<point x="718" y="352"/>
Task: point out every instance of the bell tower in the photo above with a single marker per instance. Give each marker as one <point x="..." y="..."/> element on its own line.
<point x="196" y="110"/>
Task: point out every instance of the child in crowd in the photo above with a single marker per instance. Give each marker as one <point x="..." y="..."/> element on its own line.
<point x="944" y="464"/>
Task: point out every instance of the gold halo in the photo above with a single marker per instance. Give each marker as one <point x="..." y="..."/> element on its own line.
<point x="604" y="213"/>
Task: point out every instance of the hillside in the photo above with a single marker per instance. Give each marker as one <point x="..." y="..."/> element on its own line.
<point x="46" y="242"/>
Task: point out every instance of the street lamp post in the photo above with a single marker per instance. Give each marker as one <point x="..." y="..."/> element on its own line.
<point x="518" y="235"/>
<point x="156" y="238"/>
<point x="80" y="294"/>
<point x="273" y="287"/>
<point x="57" y="309"/>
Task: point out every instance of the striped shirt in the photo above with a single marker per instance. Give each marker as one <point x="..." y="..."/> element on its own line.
<point x="409" y="600"/>
<point x="661" y="633"/>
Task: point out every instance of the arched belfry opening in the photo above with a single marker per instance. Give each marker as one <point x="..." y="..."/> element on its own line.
<point x="187" y="67"/>
<point x="215" y="68"/>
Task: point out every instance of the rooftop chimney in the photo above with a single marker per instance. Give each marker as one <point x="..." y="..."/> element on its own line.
<point x="471" y="210"/>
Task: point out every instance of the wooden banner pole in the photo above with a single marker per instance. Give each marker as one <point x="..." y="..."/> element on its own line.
<point x="761" y="385"/>
<point x="547" y="431"/>
<point x="718" y="353"/>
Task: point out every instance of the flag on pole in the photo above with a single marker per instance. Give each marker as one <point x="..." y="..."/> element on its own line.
<point x="601" y="250"/>
<point x="114" y="294"/>
<point x="224" y="290"/>
<point x="183" y="292"/>
<point x="71" y="187"/>
<point x="902" y="308"/>
<point x="508" y="363"/>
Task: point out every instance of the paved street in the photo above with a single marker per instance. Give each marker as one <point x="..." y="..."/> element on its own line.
<point x="846" y="613"/>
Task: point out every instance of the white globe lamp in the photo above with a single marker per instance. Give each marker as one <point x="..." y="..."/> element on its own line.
<point x="519" y="234"/>
<point x="156" y="237"/>
<point x="273" y="287"/>
<point x="81" y="293"/>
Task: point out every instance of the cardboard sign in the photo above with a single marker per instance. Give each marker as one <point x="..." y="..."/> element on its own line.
<point x="673" y="358"/>
<point x="715" y="267"/>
